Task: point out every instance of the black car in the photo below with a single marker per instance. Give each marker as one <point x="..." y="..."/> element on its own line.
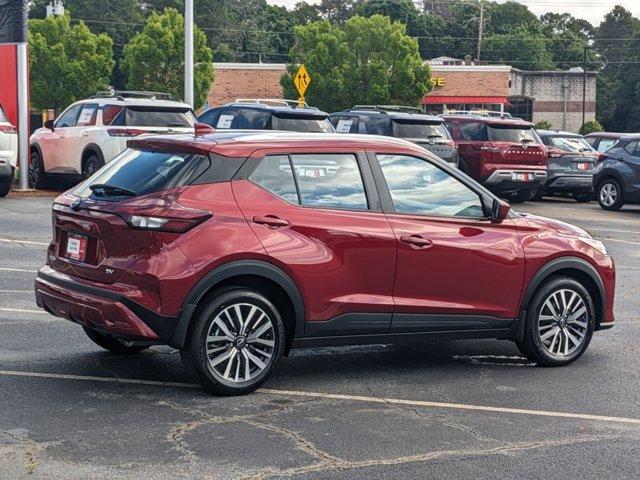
<point x="603" y="141"/>
<point x="267" y="114"/>
<point x="570" y="165"/>
<point x="616" y="179"/>
<point x="409" y="123"/>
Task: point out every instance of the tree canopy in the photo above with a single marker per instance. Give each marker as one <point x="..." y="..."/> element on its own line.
<point x="154" y="59"/>
<point x="67" y="62"/>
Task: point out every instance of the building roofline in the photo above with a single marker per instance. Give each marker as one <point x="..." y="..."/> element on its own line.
<point x="471" y="68"/>
<point x="249" y="66"/>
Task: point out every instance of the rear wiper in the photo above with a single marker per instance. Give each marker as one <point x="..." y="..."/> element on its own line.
<point x="106" y="190"/>
<point x="527" y="140"/>
<point x="436" y="135"/>
<point x="176" y="125"/>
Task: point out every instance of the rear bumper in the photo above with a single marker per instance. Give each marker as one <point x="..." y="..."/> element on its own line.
<point x="569" y="183"/>
<point x="99" y="308"/>
<point x="503" y="180"/>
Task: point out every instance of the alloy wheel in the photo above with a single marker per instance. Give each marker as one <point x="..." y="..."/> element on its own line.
<point x="240" y="342"/>
<point x="563" y="322"/>
<point x="608" y="194"/>
<point x="34" y="171"/>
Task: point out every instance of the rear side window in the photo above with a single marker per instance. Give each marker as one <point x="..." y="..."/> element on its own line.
<point x="154" y="117"/>
<point x="423" y="130"/>
<point x="322" y="180"/>
<point x="347" y="124"/>
<point x="141" y="172"/>
<point x="473" y="131"/>
<point x="606" y="144"/>
<point x="330" y="181"/>
<point x="378" y="125"/>
<point x="87" y="115"/>
<point x="253" y="119"/>
<point x="227" y="119"/>
<point x="275" y="175"/>
<point x="299" y="123"/>
<point x="632" y="148"/>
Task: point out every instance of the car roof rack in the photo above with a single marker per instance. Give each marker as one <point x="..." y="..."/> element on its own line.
<point x="273" y="102"/>
<point x="388" y="108"/>
<point x="122" y="94"/>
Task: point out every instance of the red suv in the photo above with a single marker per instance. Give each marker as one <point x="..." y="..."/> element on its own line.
<point x="235" y="247"/>
<point x="505" y="155"/>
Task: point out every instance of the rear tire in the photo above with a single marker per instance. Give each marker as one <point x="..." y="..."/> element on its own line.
<point x="91" y="165"/>
<point x="237" y="339"/>
<point x="610" y="195"/>
<point x="112" y="344"/>
<point x="538" y="194"/>
<point x="37" y="175"/>
<point x="519" y="196"/>
<point x="5" y="186"/>
<point x="582" y="197"/>
<point x="560" y="323"/>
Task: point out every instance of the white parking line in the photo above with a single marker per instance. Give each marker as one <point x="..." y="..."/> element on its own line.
<point x="28" y="242"/>
<point x="24" y="270"/>
<point x="23" y="310"/>
<point x="338" y="396"/>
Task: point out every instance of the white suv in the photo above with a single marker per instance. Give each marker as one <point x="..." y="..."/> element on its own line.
<point x="8" y="152"/>
<point x="90" y="133"/>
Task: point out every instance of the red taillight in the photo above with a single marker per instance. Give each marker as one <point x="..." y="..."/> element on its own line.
<point x="8" y="129"/>
<point x="167" y="224"/>
<point x="602" y="156"/>
<point x="125" y="132"/>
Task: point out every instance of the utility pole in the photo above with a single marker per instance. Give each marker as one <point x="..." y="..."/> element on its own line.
<point x="188" y="52"/>
<point x="584" y="84"/>
<point x="480" y="29"/>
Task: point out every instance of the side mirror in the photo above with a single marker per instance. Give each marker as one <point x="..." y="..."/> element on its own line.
<point x="49" y="124"/>
<point x="496" y="210"/>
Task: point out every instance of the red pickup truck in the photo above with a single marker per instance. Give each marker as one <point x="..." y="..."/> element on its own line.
<point x="505" y="155"/>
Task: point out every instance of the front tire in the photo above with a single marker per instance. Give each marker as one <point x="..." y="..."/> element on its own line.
<point x="560" y="323"/>
<point x="610" y="195"/>
<point x="91" y="165"/>
<point x="583" y="197"/>
<point x="37" y="175"/>
<point x="113" y="344"/>
<point x="5" y="186"/>
<point x="235" y="342"/>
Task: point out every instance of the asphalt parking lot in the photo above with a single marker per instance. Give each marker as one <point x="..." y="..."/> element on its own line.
<point x="463" y="410"/>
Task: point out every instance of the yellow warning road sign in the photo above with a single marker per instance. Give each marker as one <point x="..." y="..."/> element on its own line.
<point x="301" y="80"/>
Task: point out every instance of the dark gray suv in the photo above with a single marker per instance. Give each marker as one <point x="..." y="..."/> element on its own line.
<point x="409" y="123"/>
<point x="616" y="179"/>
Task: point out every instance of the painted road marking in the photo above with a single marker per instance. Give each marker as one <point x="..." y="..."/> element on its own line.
<point x="338" y="396"/>
<point x="24" y="270"/>
<point x="23" y="310"/>
<point x="28" y="242"/>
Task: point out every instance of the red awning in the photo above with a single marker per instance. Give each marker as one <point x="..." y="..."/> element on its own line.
<point x="454" y="99"/>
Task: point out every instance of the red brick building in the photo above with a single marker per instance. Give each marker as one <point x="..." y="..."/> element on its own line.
<point x="245" y="80"/>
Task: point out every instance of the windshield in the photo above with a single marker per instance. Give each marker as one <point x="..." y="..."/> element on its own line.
<point x="301" y="124"/>
<point x="512" y="134"/>
<point x="155" y="117"/>
<point x="426" y="130"/>
<point x="570" y="144"/>
<point x="141" y="172"/>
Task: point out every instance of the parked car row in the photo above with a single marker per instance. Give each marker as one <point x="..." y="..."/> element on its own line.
<point x="8" y="152"/>
<point x="506" y="155"/>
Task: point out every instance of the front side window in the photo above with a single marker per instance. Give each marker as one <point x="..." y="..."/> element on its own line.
<point x="87" y="115"/>
<point x="68" y="118"/>
<point x="420" y="188"/>
<point x="330" y="181"/>
<point x="275" y="175"/>
<point x="633" y="148"/>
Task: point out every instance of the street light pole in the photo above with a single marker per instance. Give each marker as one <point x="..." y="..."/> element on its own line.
<point x="584" y="84"/>
<point x="188" y="52"/>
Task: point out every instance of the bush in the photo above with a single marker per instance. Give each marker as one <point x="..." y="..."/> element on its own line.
<point x="544" y="125"/>
<point x="590" y="127"/>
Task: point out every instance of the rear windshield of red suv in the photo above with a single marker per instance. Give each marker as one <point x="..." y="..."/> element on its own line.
<point x="412" y="129"/>
<point x="139" y="172"/>
<point x="512" y="134"/>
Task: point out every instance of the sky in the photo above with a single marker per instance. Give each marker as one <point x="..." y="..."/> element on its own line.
<point x="591" y="10"/>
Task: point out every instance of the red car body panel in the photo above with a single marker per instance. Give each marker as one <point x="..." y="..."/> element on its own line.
<point x="340" y="261"/>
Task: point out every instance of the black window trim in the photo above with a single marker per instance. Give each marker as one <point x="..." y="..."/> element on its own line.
<point x="75" y="119"/>
<point x="385" y="193"/>
<point x="370" y="189"/>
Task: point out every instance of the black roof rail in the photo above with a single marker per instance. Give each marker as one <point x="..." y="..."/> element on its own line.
<point x="390" y="108"/>
<point x="273" y="102"/>
<point x="122" y="94"/>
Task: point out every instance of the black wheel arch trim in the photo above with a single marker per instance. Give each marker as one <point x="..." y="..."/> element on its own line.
<point x="92" y="147"/>
<point x="256" y="268"/>
<point x="559" y="264"/>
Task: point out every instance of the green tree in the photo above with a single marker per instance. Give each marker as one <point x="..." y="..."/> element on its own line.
<point x="368" y="60"/>
<point x="519" y="48"/>
<point x="402" y="11"/>
<point x="509" y="16"/>
<point x="590" y="127"/>
<point x="612" y="37"/>
<point x="154" y="60"/>
<point x="304" y="13"/>
<point x="544" y="125"/>
<point x="67" y="62"/>
<point x="337" y="11"/>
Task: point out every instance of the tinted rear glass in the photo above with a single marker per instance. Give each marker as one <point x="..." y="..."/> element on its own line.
<point x="434" y="131"/>
<point x="514" y="134"/>
<point x="570" y="144"/>
<point x="301" y="124"/>
<point x="155" y="117"/>
<point x="143" y="171"/>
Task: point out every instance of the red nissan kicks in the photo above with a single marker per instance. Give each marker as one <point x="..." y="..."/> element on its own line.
<point x="235" y="247"/>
